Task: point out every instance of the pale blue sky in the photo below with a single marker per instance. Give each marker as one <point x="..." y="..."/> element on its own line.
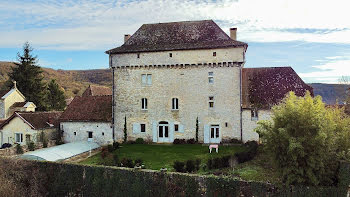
<point x="311" y="36"/>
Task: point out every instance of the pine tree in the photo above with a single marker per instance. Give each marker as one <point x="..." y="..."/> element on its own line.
<point x="29" y="78"/>
<point x="55" y="97"/>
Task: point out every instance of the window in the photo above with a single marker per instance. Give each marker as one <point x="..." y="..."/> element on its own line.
<point x="226" y="124"/>
<point x="254" y="114"/>
<point x="103" y="133"/>
<point x="211" y="77"/>
<point x="144" y="104"/>
<point x="170" y="55"/>
<point x="211" y="101"/>
<point x="146" y="79"/>
<point x="138" y="55"/>
<point x="143" y="128"/>
<point x="176" y="127"/>
<point x="89" y="134"/>
<point x="18" y="137"/>
<point x="214" y="54"/>
<point x="75" y="133"/>
<point x="175" y="104"/>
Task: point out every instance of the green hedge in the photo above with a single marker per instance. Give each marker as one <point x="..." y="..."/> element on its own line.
<point x="32" y="178"/>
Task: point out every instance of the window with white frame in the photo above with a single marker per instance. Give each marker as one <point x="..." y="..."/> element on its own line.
<point x="211" y="77"/>
<point x="146" y="79"/>
<point x="175" y="104"/>
<point x="254" y="114"/>
<point x="144" y="103"/>
<point x="211" y="101"/>
<point x="18" y="137"/>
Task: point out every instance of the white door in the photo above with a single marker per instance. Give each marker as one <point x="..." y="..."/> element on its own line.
<point x="214" y="134"/>
<point x="163" y="133"/>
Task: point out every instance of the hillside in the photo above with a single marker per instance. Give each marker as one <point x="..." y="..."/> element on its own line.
<point x="330" y="92"/>
<point x="74" y="82"/>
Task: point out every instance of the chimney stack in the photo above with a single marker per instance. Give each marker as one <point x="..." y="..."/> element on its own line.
<point x="126" y="37"/>
<point x="233" y="33"/>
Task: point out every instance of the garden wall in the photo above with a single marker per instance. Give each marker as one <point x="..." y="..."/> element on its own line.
<point x="33" y="178"/>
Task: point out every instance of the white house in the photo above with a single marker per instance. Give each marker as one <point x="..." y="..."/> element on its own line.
<point x="168" y="75"/>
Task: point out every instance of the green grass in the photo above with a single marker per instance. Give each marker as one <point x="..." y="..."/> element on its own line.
<point x="157" y="156"/>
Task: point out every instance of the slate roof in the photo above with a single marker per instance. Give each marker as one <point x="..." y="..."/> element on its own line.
<point x="89" y="109"/>
<point x="271" y="85"/>
<point x="186" y="35"/>
<point x="37" y="120"/>
<point x="95" y="90"/>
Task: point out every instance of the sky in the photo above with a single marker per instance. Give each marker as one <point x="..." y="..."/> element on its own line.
<point x="311" y="36"/>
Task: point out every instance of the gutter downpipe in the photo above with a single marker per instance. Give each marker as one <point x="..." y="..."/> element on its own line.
<point x="113" y="95"/>
<point x="240" y="93"/>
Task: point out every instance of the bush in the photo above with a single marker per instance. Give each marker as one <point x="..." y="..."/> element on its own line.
<point x="235" y="141"/>
<point x="139" y="141"/>
<point x="130" y="142"/>
<point x="127" y="163"/>
<point x="138" y="162"/>
<point x="305" y="138"/>
<point x="6" y="145"/>
<point x="190" y="166"/>
<point x="104" y="152"/>
<point x="210" y="164"/>
<point x="45" y="144"/>
<point x="252" y="149"/>
<point x="110" y="148"/>
<point x="115" y="159"/>
<point x="31" y="146"/>
<point x="198" y="163"/>
<point x="191" y="141"/>
<point x="179" y="141"/>
<point x="219" y="162"/>
<point x="19" y="149"/>
<point x="115" y="145"/>
<point x="179" y="166"/>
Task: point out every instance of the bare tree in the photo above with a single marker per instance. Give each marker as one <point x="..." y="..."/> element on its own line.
<point x="344" y="80"/>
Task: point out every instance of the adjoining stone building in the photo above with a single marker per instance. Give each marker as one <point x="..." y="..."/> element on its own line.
<point x="168" y="75"/>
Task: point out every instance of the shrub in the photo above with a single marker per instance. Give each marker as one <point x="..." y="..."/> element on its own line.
<point x="219" y="162"/>
<point x="235" y="141"/>
<point x="110" y="148"/>
<point x="127" y="163"/>
<point x="179" y="141"/>
<point x="198" y="163"/>
<point x="191" y="141"/>
<point x="19" y="149"/>
<point x="104" y="152"/>
<point x="179" y="166"/>
<point x="31" y="146"/>
<point x="115" y="159"/>
<point x="130" y="142"/>
<point x="6" y="145"/>
<point x="305" y="138"/>
<point x="210" y="164"/>
<point x="138" y="162"/>
<point x="115" y="145"/>
<point x="139" y="141"/>
<point x="190" y="166"/>
<point x="45" y="144"/>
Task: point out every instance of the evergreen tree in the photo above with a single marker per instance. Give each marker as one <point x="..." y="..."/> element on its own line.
<point x="29" y="78"/>
<point x="55" y="97"/>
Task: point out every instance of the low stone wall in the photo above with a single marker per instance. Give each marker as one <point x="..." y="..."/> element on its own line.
<point x="33" y="178"/>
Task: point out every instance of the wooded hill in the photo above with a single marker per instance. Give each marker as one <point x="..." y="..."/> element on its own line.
<point x="74" y="82"/>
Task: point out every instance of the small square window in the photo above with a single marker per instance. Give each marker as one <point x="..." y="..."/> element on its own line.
<point x="170" y="55"/>
<point x="211" y="102"/>
<point x="226" y="124"/>
<point x="211" y="77"/>
<point x="75" y="133"/>
<point x="176" y="127"/>
<point x="254" y="114"/>
<point x="103" y="133"/>
<point x="214" y="54"/>
<point x="90" y="134"/>
<point x="143" y="128"/>
<point x="138" y="55"/>
<point x="146" y="79"/>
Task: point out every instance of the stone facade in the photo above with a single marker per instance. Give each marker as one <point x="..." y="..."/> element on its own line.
<point x="249" y="123"/>
<point x="189" y="84"/>
<point x="78" y="131"/>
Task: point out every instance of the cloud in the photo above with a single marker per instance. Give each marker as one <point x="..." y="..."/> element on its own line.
<point x="329" y="72"/>
<point x="94" y="24"/>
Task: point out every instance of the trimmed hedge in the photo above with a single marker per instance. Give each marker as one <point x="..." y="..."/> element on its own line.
<point x="32" y="178"/>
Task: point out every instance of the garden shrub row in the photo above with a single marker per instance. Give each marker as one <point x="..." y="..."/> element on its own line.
<point x="188" y="166"/>
<point x="184" y="141"/>
<point x="34" y="178"/>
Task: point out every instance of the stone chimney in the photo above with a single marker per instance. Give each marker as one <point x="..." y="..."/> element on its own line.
<point x="126" y="37"/>
<point x="233" y="33"/>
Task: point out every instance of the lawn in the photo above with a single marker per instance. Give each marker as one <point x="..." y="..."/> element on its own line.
<point x="157" y="156"/>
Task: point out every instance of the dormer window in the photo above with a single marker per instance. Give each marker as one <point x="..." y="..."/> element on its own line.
<point x="214" y="54"/>
<point x="170" y="55"/>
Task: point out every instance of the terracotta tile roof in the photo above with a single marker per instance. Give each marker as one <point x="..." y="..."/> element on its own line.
<point x="184" y="35"/>
<point x="95" y="90"/>
<point x="89" y="109"/>
<point x="37" y="120"/>
<point x="18" y="104"/>
<point x="269" y="85"/>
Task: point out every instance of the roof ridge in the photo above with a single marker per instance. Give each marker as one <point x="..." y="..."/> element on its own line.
<point x="179" y="22"/>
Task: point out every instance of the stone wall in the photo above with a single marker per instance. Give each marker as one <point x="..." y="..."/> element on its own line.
<point x="249" y="124"/>
<point x="179" y="57"/>
<point x="102" y="132"/>
<point x="190" y="85"/>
